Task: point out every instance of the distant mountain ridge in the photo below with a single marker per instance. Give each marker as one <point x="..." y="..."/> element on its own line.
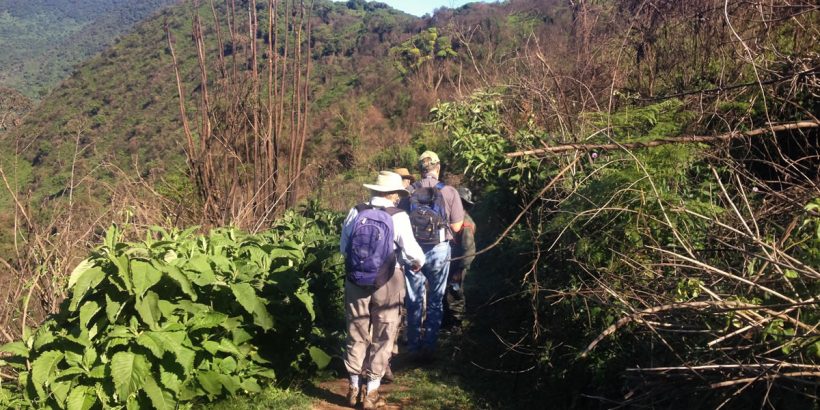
<point x="42" y="40"/>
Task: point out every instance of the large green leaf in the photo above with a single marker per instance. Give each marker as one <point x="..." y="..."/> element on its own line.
<point x="210" y="382"/>
<point x="148" y="309"/>
<point x="15" y="348"/>
<point x="245" y="295"/>
<point x="181" y="279"/>
<point x="201" y="265"/>
<point x="121" y="263"/>
<point x="89" y="279"/>
<point x="185" y="358"/>
<point x="81" y="398"/>
<point x="60" y="389"/>
<point x="319" y="357"/>
<point x="43" y="369"/>
<point x="144" y="275"/>
<point x="129" y="371"/>
<point x="170" y="380"/>
<point x="42" y="337"/>
<point x="160" y="342"/>
<point x="112" y="308"/>
<point x="79" y="271"/>
<point x="303" y="294"/>
<point x="206" y="320"/>
<point x="161" y="399"/>
<point x="152" y="344"/>
<point x="250" y="385"/>
<point x="232" y="383"/>
<point x="87" y="311"/>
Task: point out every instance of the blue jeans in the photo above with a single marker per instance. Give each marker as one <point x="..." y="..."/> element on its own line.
<point x="435" y="273"/>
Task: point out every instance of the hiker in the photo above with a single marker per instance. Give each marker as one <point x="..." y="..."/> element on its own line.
<point x="407" y="179"/>
<point x="463" y="255"/>
<point x="375" y="235"/>
<point x="436" y="214"/>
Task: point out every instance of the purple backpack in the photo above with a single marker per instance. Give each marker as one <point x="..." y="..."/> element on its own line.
<point x="369" y="258"/>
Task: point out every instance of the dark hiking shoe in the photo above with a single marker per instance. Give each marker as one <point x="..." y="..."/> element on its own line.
<point x="352" y="396"/>
<point x="372" y="400"/>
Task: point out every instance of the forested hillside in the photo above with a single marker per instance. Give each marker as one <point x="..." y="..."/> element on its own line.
<point x="42" y="40"/>
<point x="13" y="107"/>
<point x="647" y="177"/>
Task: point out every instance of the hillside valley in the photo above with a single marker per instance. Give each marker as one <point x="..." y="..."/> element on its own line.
<point x="645" y="182"/>
<point x="42" y="40"/>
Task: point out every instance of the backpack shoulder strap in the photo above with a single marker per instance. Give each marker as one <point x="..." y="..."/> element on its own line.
<point x="361" y="207"/>
<point x="440" y="185"/>
<point x="393" y="210"/>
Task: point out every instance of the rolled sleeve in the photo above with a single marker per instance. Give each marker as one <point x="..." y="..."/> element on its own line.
<point x="411" y="252"/>
<point x="455" y="211"/>
<point x="347" y="228"/>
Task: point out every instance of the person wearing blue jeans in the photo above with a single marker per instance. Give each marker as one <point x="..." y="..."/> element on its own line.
<point x="437" y="268"/>
<point x="434" y="272"/>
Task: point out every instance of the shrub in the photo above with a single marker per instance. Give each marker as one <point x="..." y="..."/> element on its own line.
<point x="179" y="318"/>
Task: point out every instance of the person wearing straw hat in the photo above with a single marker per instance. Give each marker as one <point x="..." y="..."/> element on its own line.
<point x="406" y="177"/>
<point x="375" y="235"/>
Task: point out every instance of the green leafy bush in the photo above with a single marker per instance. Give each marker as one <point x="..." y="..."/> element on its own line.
<point x="180" y="318"/>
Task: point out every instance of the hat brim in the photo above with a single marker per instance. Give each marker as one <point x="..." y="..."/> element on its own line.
<point x="467" y="202"/>
<point x="383" y="189"/>
<point x="410" y="177"/>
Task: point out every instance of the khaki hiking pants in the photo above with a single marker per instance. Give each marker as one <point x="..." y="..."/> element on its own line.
<point x="372" y="325"/>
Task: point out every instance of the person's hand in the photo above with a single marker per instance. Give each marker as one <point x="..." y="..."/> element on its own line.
<point x="455" y="276"/>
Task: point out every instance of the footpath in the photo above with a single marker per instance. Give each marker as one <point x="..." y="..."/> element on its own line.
<point x="442" y="384"/>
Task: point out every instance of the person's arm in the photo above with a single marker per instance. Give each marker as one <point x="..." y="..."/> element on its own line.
<point x="456" y="211"/>
<point x="468" y="246"/>
<point x="410" y="250"/>
<point x="346" y="229"/>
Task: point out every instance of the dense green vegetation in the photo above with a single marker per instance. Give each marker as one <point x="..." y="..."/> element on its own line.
<point x="43" y="40"/>
<point x="180" y="318"/>
<point x="625" y="264"/>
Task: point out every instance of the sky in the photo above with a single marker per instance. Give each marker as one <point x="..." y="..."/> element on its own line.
<point x="422" y="7"/>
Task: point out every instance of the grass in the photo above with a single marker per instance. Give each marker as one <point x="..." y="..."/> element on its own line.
<point x="432" y="389"/>
<point x="270" y="398"/>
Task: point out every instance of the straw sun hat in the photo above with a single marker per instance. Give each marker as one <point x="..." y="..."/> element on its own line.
<point x="388" y="182"/>
<point x="405" y="174"/>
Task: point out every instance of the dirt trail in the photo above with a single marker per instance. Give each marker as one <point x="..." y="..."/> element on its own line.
<point x="330" y="395"/>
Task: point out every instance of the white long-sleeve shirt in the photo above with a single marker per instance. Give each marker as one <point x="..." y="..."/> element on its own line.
<point x="403" y="238"/>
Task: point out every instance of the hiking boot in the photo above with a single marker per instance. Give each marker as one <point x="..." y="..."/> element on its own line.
<point x="372" y="400"/>
<point x="352" y="396"/>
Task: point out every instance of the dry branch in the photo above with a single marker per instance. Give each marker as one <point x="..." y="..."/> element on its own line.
<point x="726" y="304"/>
<point x="684" y="139"/>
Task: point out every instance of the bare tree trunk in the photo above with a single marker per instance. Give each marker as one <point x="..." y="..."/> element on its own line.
<point x="236" y="162"/>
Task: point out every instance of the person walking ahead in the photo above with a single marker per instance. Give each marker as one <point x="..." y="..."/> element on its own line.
<point x="374" y="236"/>
<point x="463" y="254"/>
<point x="436" y="214"/>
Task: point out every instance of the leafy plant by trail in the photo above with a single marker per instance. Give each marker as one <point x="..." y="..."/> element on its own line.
<point x="180" y="318"/>
<point x="641" y="264"/>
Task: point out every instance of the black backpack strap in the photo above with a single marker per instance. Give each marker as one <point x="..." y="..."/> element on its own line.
<point x="393" y="210"/>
